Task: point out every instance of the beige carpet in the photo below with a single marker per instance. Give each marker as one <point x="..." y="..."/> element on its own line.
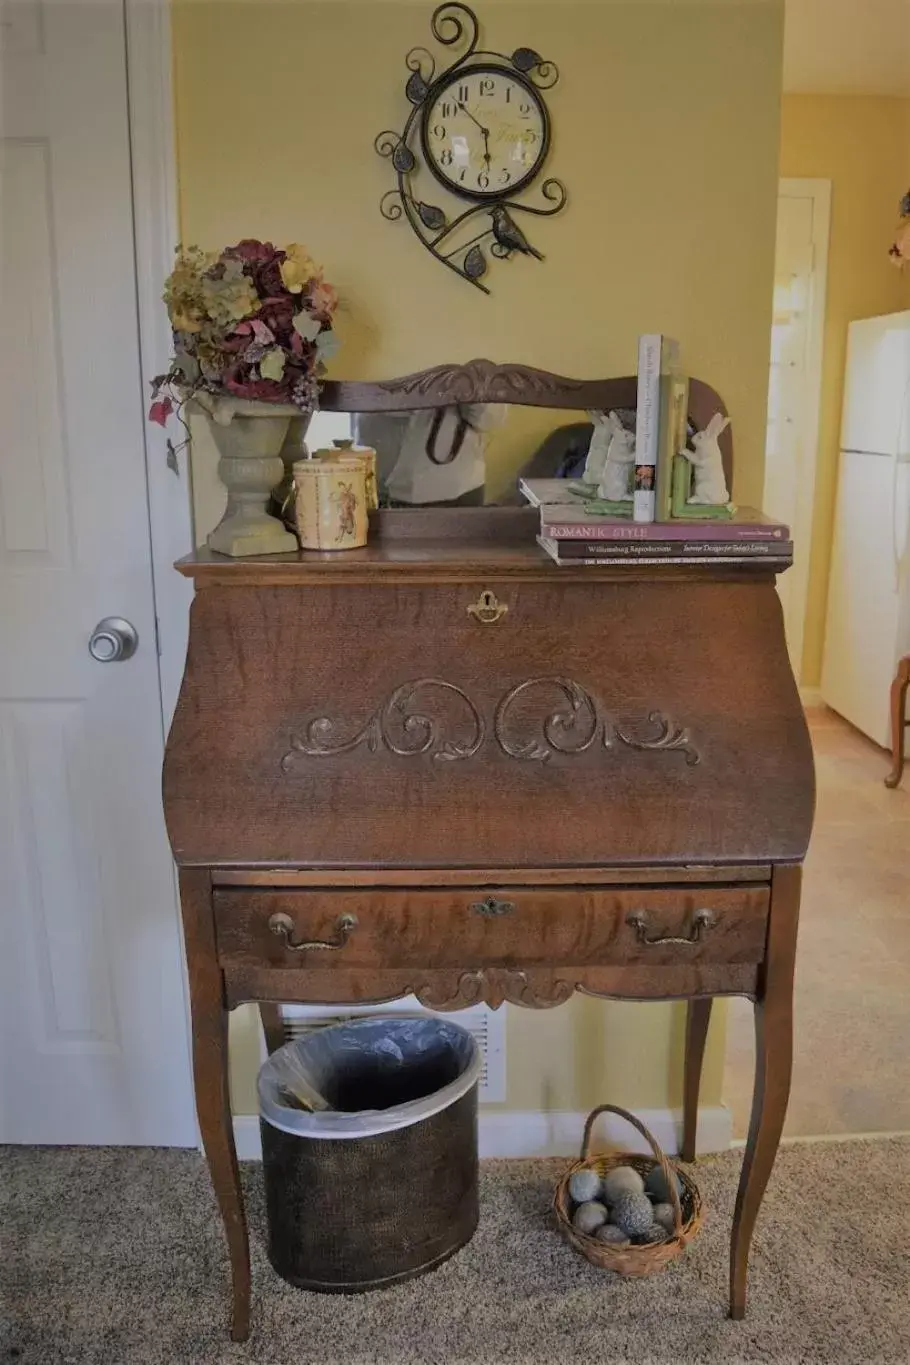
<point x="116" y="1256"/>
<point x="853" y="953"/>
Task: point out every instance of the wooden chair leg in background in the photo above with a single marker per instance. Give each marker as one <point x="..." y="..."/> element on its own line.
<point x="698" y="1017"/>
<point x="272" y="1025"/>
<point x="210" y="1070"/>
<point x="898" y="721"/>
<point x="773" y="1067"/>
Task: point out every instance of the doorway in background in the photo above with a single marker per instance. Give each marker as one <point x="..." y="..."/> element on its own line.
<point x="794" y="390"/>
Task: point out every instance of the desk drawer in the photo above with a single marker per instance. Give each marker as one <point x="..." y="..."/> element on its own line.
<point x="508" y="927"/>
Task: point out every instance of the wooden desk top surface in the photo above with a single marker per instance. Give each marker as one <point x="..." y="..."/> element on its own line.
<point x="448" y="545"/>
<point x="462" y="561"/>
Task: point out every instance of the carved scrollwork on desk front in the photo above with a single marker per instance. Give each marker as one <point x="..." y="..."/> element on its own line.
<point x="396" y="727"/>
<point x="669" y="736"/>
<point x="579" y="724"/>
<point x="571" y="729"/>
<point x="522" y="729"/>
<point x="494" y="986"/>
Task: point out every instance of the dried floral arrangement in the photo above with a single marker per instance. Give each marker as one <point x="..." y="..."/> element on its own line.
<point x="253" y="321"/>
<point x="900" y="247"/>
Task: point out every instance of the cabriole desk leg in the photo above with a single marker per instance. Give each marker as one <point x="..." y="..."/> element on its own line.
<point x="773" y="1065"/>
<point x="210" y="1071"/>
<point x="898" y="721"/>
<point x="698" y="1017"/>
<point x="272" y="1025"/>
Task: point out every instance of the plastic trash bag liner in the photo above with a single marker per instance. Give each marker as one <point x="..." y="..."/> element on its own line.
<point x="375" y="1075"/>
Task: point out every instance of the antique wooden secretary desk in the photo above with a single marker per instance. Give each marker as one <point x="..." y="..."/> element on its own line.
<point x="444" y="766"/>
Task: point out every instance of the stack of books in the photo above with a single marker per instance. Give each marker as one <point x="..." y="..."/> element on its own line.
<point x="572" y="535"/>
<point x="580" y="524"/>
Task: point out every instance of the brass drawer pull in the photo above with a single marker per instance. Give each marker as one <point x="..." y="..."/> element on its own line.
<point x="701" y="920"/>
<point x="282" y="926"/>
<point x="488" y="609"/>
<point x="491" y="908"/>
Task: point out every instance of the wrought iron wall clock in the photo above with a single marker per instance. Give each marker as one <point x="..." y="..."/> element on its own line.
<point x="482" y="128"/>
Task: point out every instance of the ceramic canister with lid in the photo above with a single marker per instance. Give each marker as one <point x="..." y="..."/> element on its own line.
<point x="346" y="450"/>
<point x="331" y="504"/>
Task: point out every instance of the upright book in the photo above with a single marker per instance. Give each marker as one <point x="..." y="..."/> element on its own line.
<point x="672" y="437"/>
<point x="657" y="355"/>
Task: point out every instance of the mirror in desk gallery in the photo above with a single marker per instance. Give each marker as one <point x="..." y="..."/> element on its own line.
<point x="470" y="454"/>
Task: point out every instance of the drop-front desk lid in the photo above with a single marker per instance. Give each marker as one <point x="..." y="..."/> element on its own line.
<point x="459" y="704"/>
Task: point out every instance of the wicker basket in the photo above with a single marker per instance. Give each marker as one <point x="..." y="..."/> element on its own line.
<point x="631" y="1260"/>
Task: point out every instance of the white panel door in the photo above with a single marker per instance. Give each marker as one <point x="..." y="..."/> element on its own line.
<point x="93" y="1036"/>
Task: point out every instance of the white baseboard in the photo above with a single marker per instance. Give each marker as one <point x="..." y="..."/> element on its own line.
<point x="811" y="697"/>
<point x="805" y="1140"/>
<point x="516" y="1133"/>
<point x="246" y="1137"/>
<point x="533" y="1133"/>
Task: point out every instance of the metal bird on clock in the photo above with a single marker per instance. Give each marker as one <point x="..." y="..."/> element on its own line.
<point x="482" y="129"/>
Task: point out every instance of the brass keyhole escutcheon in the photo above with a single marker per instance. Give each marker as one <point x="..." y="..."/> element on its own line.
<point x="492" y="907"/>
<point x="487" y="609"/>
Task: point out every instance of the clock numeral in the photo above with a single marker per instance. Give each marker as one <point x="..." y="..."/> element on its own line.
<point x="504" y="176"/>
<point x="439" y="131"/>
<point x="487" y="85"/>
<point x="483" y="181"/>
<point x="529" y="137"/>
<point x="524" y="109"/>
<point x="448" y="110"/>
<point x="508" y="94"/>
<point x="464" y="172"/>
<point x="446" y="158"/>
<point x="463" y="94"/>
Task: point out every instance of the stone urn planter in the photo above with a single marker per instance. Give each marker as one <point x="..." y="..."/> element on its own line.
<point x="281" y="504"/>
<point x="250" y="438"/>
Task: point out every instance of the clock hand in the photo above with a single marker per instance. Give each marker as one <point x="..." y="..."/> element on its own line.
<point x="464" y="108"/>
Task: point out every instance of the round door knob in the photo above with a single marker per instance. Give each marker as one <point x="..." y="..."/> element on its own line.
<point x="113" y="640"/>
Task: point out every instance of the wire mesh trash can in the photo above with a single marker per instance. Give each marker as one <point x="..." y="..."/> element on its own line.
<point x="382" y="1185"/>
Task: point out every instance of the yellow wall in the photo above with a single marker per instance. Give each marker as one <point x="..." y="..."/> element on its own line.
<point x="862" y="145"/>
<point x="666" y="135"/>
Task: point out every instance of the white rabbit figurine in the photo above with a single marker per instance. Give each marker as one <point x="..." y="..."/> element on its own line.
<point x="597" y="450"/>
<point x="615" y="480"/>
<point x="707" y="461"/>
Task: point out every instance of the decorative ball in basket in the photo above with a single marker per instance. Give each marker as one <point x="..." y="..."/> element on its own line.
<point x="625" y="1212"/>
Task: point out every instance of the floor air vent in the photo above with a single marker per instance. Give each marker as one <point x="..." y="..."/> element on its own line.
<point x="487" y="1026"/>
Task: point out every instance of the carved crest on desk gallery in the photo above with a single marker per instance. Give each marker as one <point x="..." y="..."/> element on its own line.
<point x="481" y="381"/>
<point x="535" y="721"/>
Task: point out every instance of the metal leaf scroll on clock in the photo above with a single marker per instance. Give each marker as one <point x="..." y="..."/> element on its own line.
<point x="494" y="180"/>
<point x="524" y="58"/>
<point x="431" y="215"/>
<point x="475" y="263"/>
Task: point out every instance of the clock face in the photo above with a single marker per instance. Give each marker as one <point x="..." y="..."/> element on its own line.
<point x="486" y="133"/>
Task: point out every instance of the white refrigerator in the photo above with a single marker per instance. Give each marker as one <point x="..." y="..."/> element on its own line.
<point x="868" y="624"/>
